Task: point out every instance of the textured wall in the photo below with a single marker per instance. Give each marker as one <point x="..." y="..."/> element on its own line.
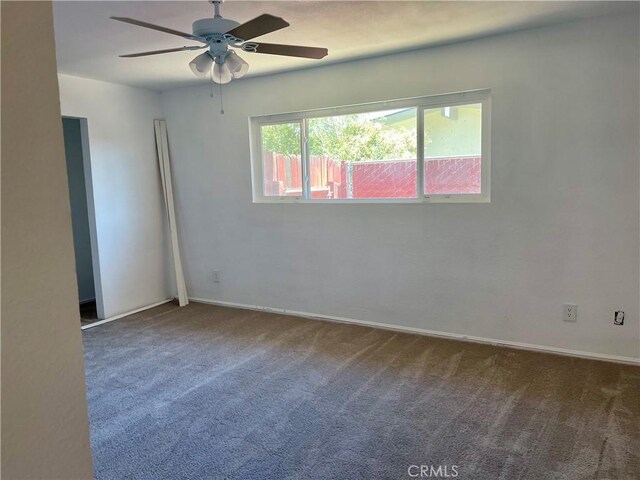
<point x="563" y="224"/>
<point x="131" y="225"/>
<point x="44" y="410"/>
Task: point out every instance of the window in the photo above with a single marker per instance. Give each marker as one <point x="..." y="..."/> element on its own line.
<point x="281" y="160"/>
<point x="453" y="150"/>
<point x="428" y="149"/>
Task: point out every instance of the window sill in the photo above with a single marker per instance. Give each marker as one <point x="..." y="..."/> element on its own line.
<point x="439" y="199"/>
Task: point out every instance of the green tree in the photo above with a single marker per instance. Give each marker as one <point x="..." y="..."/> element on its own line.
<point x="282" y="138"/>
<point x="350" y="138"/>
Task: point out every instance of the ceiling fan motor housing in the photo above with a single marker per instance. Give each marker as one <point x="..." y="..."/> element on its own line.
<point x="206" y="27"/>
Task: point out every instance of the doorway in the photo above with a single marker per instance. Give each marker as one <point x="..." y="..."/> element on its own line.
<point x="83" y="222"/>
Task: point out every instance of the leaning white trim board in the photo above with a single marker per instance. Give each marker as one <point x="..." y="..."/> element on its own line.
<point x="162" y="144"/>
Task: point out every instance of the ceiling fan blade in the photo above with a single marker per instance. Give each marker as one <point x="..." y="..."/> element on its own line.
<point x="140" y="23"/>
<point x="287" y="50"/>
<point x="158" y="52"/>
<point x="258" y="26"/>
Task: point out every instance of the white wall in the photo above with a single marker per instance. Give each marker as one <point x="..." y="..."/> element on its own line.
<point x="130" y="216"/>
<point x="79" y="210"/>
<point x="45" y="431"/>
<point x="563" y="225"/>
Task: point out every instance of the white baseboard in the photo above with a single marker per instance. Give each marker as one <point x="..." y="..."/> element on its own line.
<point x="122" y="315"/>
<point x="430" y="333"/>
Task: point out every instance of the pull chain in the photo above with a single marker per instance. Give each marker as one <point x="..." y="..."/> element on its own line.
<point x="211" y="93"/>
<point x="221" y="106"/>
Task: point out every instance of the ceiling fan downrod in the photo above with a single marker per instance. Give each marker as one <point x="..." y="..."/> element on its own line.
<point x="216" y="8"/>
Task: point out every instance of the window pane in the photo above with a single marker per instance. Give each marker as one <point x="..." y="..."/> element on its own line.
<point x="369" y="155"/>
<point x="281" y="160"/>
<point x="453" y="149"/>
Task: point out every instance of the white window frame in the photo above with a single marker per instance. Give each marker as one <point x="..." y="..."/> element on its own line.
<point x="419" y="103"/>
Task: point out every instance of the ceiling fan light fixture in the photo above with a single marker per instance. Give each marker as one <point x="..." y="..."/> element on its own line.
<point x="236" y="64"/>
<point x="221" y="73"/>
<point x="201" y="65"/>
<point x="218" y="35"/>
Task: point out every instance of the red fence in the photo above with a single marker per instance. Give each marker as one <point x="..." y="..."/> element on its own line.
<point x="453" y="175"/>
<point x="396" y="179"/>
<point x="380" y="179"/>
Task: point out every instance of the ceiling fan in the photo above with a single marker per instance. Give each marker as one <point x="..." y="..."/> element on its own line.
<point x="217" y="34"/>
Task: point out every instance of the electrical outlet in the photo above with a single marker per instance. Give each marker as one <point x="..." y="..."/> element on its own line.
<point x="217" y="277"/>
<point x="570" y="312"/>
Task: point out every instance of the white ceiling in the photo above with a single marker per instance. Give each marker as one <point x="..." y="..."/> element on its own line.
<point x="88" y="42"/>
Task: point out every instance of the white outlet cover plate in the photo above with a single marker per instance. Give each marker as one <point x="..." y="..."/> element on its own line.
<point x="570" y="312"/>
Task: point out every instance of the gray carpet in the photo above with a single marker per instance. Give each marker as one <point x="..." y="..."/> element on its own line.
<point x="208" y="392"/>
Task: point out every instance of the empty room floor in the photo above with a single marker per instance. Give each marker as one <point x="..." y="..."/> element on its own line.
<point x="222" y="393"/>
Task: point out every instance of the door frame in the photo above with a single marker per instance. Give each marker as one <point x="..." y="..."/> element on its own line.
<point x="91" y="212"/>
